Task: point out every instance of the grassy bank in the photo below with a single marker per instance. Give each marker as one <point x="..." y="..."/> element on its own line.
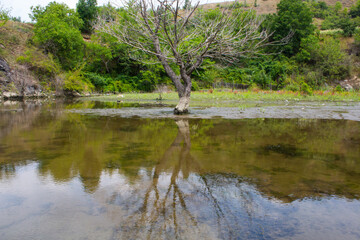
<point x="229" y="95"/>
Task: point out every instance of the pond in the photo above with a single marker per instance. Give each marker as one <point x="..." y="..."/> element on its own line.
<point x="92" y="170"/>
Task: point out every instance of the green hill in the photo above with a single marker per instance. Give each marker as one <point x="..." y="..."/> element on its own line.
<point x="269" y="6"/>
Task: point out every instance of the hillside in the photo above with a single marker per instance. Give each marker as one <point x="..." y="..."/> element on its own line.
<point x="28" y="69"/>
<point x="269" y="6"/>
<point x="24" y="69"/>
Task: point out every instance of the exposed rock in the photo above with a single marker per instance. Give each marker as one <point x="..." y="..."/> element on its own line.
<point x="5" y="68"/>
<point x="19" y="82"/>
<point x="11" y="95"/>
<point x="68" y="93"/>
<point x="347" y="87"/>
<point x="350" y="84"/>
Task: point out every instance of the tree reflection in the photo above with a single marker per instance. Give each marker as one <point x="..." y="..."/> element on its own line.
<point x="172" y="203"/>
<point x="287" y="159"/>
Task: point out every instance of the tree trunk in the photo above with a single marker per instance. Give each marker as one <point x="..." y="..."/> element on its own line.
<point x="183" y="105"/>
<point x="184" y="101"/>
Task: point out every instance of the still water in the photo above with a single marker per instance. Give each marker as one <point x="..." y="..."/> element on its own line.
<point x="67" y="174"/>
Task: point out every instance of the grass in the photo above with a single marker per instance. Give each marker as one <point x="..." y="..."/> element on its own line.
<point x="229" y="97"/>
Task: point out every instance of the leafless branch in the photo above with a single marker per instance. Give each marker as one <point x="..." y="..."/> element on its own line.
<point x="185" y="37"/>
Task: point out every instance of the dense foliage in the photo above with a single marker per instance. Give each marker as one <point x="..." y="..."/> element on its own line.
<point x="87" y="12"/>
<point x="294" y="17"/>
<point x="57" y="31"/>
<point x="4" y="16"/>
<point x="316" y="55"/>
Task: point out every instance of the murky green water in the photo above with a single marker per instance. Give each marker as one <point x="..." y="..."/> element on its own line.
<point x="68" y="174"/>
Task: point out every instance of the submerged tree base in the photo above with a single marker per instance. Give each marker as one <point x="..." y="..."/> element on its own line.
<point x="183" y="106"/>
<point x="177" y="112"/>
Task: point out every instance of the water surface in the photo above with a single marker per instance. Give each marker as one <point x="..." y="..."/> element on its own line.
<point x="67" y="172"/>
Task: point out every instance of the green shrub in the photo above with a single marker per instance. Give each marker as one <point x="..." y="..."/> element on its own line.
<point x="194" y="86"/>
<point x="4" y="16"/>
<point x="314" y="78"/>
<point x="253" y="87"/>
<point x="75" y="81"/>
<point x="292" y="84"/>
<point x="292" y="87"/>
<point x="357" y="36"/>
<point x="44" y="66"/>
<point x="305" y="88"/>
<point x="99" y="81"/>
<point x="323" y="60"/>
<point x="338" y="88"/>
<point x="348" y="26"/>
<point x="87" y="11"/>
<point x="332" y="60"/>
<point x="262" y="79"/>
<point x="57" y="31"/>
<point x="292" y="16"/>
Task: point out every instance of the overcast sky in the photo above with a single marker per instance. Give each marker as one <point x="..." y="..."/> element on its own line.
<point x="21" y="8"/>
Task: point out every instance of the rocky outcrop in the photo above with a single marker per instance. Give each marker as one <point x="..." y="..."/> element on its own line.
<point x="351" y="84"/>
<point x="5" y="72"/>
<point x="18" y="83"/>
<point x="71" y="94"/>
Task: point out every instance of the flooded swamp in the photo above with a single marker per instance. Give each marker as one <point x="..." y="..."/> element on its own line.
<point x="94" y="169"/>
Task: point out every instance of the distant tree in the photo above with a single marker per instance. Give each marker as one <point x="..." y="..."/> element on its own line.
<point x="338" y="7"/>
<point x="107" y="12"/>
<point x="355" y="10"/>
<point x="348" y="26"/>
<point x="87" y="11"/>
<point x="292" y="16"/>
<point x="186" y="4"/>
<point x="15" y="19"/>
<point x="57" y="31"/>
<point x="4" y="16"/>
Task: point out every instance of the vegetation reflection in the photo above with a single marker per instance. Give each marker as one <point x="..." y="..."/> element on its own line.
<point x="287" y="159"/>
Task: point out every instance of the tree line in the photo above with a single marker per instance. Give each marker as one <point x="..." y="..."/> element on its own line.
<point x="92" y="60"/>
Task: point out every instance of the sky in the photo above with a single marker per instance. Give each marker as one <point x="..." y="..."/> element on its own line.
<point x="21" y="8"/>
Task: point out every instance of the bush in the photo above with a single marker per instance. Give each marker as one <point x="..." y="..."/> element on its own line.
<point x="292" y="16"/>
<point x="57" y="31"/>
<point x="4" y="16"/>
<point x="99" y="81"/>
<point x="44" y="66"/>
<point x="355" y="10"/>
<point x="305" y="88"/>
<point x="331" y="22"/>
<point x="262" y="79"/>
<point x="87" y="11"/>
<point x="357" y="36"/>
<point x="314" y="78"/>
<point x="332" y="60"/>
<point x="324" y="60"/>
<point x="338" y="88"/>
<point x="75" y="81"/>
<point x="208" y="77"/>
<point x="347" y="26"/>
<point x="194" y="86"/>
<point x="293" y="86"/>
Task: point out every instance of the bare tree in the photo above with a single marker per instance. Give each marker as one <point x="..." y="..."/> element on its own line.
<point x="181" y="39"/>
